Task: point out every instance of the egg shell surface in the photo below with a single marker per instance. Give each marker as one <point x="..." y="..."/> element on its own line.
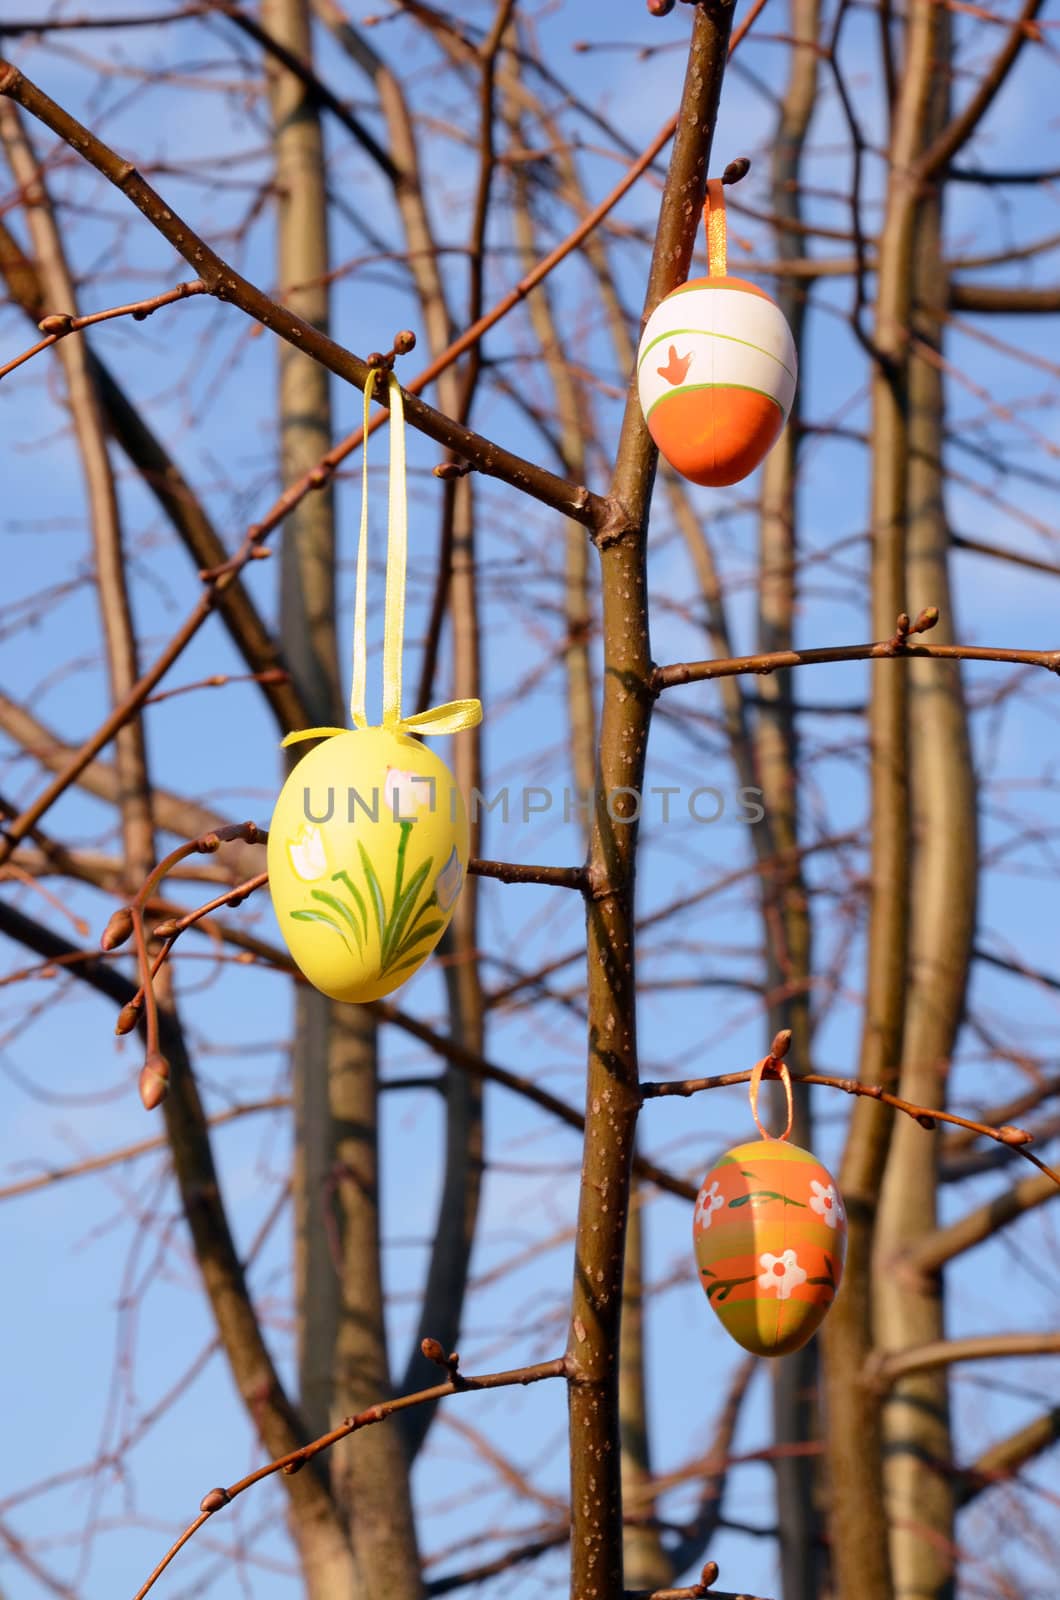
<point x="367" y="853"/>
<point x="716" y="374"/>
<point x="770" y="1235"/>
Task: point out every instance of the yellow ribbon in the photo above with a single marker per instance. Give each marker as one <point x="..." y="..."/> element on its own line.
<point x="455" y="714"/>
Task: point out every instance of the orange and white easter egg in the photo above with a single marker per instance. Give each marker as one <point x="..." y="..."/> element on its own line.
<point x="770" y="1238"/>
<point x="716" y="373"/>
<point x="367" y="853"/>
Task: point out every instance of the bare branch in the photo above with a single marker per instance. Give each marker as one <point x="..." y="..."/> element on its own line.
<point x="952" y="138"/>
<point x="927" y="1116"/>
<point x="60" y="324"/>
<point x="884" y="650"/>
<point x="885" y="1369"/>
<point x="1003" y="1460"/>
<point x="934" y="1250"/>
<point x="965" y="296"/>
<point x="292" y="1461"/>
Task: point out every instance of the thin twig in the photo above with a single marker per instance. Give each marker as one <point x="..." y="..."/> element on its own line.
<point x="927" y="1116"/>
<point x="59" y="324"/>
<point x="132" y="1152"/>
<point x="154" y="1078"/>
<point x="515" y="872"/>
<point x="226" y="284"/>
<point x="295" y="1460"/>
<point x="682" y="672"/>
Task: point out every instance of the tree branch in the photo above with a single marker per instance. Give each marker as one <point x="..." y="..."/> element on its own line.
<point x="934" y="1250"/>
<point x="226" y="284"/>
<point x="253" y="1370"/>
<point x="132" y="1152"/>
<point x="943" y="148"/>
<point x="884" y="650"/>
<point x="927" y="1116"/>
<point x="168" y="485"/>
<point x="292" y="1461"/>
<point x="1010" y="301"/>
<point x="1001" y="1462"/>
<point x="60" y="324"/>
<point x="515" y="872"/>
<point x="884" y="1369"/>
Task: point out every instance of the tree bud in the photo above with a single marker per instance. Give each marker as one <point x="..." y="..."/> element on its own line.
<point x="154" y="1081"/>
<point x="117" y="930"/>
<point x="128" y="1017"/>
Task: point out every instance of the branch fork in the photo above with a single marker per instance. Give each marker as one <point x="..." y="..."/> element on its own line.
<point x="129" y="920"/>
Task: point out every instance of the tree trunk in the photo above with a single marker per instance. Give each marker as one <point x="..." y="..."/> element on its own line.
<point x="343" y="1361"/>
<point x="612" y="1095"/>
<point x="908" y="1306"/>
<point x="785" y="901"/>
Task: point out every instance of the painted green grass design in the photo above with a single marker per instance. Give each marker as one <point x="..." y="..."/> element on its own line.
<point x="375" y="889"/>
<point x="400" y="928"/>
<point x="358" y="897"/>
<point x="764" y="1194"/>
<point x="828" y="1281"/>
<point x="343" y="910"/>
<point x="404" y="898"/>
<point x="722" y="1287"/>
<point x="321" y="916"/>
<point x="418" y="934"/>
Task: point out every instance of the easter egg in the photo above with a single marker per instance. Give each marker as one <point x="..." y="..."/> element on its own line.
<point x="770" y="1236"/>
<point x="367" y="853"/>
<point x="716" y="374"/>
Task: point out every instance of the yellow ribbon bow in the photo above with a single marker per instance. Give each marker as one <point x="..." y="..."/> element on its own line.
<point x="455" y="714"/>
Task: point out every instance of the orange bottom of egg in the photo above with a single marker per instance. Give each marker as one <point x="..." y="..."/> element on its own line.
<point x="716" y="435"/>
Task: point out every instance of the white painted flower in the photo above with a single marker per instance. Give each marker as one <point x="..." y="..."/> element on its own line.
<point x="825" y="1201"/>
<point x="708" y="1202"/>
<point x="449" y="881"/>
<point x="405" y="794"/>
<point x="307" y="853"/>
<point x="781" y="1273"/>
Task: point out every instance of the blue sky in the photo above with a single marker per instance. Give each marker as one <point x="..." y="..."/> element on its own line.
<point x="97" y="1270"/>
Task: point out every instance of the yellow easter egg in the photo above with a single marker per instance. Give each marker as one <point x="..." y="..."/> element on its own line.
<point x="367" y="853"/>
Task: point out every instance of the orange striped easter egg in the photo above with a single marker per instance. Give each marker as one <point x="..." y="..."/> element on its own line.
<point x="770" y="1236"/>
<point x="716" y="374"/>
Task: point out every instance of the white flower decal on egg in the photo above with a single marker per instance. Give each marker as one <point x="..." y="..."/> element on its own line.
<point x="407" y="793"/>
<point x="781" y="1273"/>
<point x="307" y="854"/>
<point x="450" y="881"/>
<point x="709" y="1201"/>
<point x="825" y="1201"/>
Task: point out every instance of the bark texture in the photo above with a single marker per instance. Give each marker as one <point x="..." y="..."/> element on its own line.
<point x="342" y="1338"/>
<point x="908" y="1307"/>
<point x="612" y="1098"/>
<point x="789" y="955"/>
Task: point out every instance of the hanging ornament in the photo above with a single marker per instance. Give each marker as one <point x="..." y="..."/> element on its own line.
<point x="368" y="843"/>
<point x="716" y="368"/>
<point x="770" y="1236"/>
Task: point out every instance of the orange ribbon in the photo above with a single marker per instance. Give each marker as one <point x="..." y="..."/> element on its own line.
<point x="777" y="1069"/>
<point x="714" y="221"/>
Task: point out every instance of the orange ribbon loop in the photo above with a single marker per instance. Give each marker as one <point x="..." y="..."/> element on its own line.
<point x="778" y="1069"/>
<point x="714" y="221"/>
